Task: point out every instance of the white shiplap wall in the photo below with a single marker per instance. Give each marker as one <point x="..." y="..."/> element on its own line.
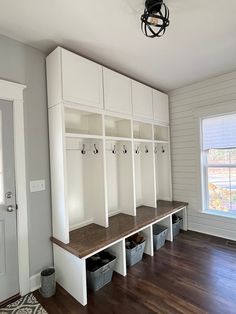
<point x="184" y="103"/>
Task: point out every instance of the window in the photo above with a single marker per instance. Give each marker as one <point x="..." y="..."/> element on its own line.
<point x="219" y="164"/>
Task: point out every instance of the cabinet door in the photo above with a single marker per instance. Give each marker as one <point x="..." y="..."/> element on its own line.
<point x="117" y="92"/>
<point x="82" y="80"/>
<point x="142" y="100"/>
<point x="160" y="106"/>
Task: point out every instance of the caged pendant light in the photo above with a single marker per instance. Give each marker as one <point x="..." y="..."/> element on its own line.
<point x="155" y="18"/>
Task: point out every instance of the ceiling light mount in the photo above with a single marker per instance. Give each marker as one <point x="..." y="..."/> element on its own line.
<point x="155" y="18"/>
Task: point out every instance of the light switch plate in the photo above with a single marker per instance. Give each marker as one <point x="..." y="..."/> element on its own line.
<point x="37" y="186"/>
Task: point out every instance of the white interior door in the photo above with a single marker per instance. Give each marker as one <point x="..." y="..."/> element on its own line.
<point x="9" y="283"/>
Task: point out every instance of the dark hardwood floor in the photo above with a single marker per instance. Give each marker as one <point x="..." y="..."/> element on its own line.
<point x="195" y="274"/>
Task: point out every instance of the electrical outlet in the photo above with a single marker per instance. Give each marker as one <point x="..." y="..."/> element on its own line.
<point x="37" y="186"/>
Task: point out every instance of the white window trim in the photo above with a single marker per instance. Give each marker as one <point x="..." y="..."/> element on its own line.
<point x="13" y="92"/>
<point x="204" y="112"/>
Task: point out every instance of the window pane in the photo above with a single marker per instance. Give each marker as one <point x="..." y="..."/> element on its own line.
<point x="218" y="156"/>
<point x="219" y="189"/>
<point x="233" y="190"/>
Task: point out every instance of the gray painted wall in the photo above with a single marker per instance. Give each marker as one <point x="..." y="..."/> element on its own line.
<point x="26" y="65"/>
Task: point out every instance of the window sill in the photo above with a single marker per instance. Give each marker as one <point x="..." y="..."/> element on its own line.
<point x="219" y="214"/>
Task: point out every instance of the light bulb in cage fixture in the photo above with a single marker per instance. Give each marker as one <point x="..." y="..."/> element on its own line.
<point x="155" y="18"/>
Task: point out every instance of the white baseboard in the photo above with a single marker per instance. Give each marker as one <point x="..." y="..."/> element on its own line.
<point x="35" y="282"/>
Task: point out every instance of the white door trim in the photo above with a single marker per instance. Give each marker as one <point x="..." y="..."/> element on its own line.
<point x="14" y="93"/>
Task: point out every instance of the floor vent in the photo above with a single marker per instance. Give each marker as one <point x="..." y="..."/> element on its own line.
<point x="231" y="243"/>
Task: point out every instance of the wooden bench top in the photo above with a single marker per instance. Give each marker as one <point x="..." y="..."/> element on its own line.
<point x="89" y="239"/>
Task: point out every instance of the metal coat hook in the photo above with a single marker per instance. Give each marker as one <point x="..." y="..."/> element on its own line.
<point x="114" y="150"/>
<point x="95" y="151"/>
<point x="83" y="151"/>
<point x="124" y="150"/>
<point x="137" y="150"/>
<point x="156" y="150"/>
<point x="162" y="149"/>
<point x="146" y="149"/>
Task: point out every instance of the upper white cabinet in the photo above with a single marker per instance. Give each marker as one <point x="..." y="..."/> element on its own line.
<point x="72" y="78"/>
<point x="75" y="80"/>
<point x="142" y="100"/>
<point x="117" y="92"/>
<point x="160" y="107"/>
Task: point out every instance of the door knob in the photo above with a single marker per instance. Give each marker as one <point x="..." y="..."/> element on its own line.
<point x="10" y="208"/>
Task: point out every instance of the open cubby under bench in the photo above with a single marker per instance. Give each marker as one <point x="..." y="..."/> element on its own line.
<point x="70" y="259"/>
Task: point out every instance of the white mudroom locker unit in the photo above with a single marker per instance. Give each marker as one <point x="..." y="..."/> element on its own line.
<point x="110" y="156"/>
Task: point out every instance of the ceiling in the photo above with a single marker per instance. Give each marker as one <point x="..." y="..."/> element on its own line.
<point x="199" y="43"/>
